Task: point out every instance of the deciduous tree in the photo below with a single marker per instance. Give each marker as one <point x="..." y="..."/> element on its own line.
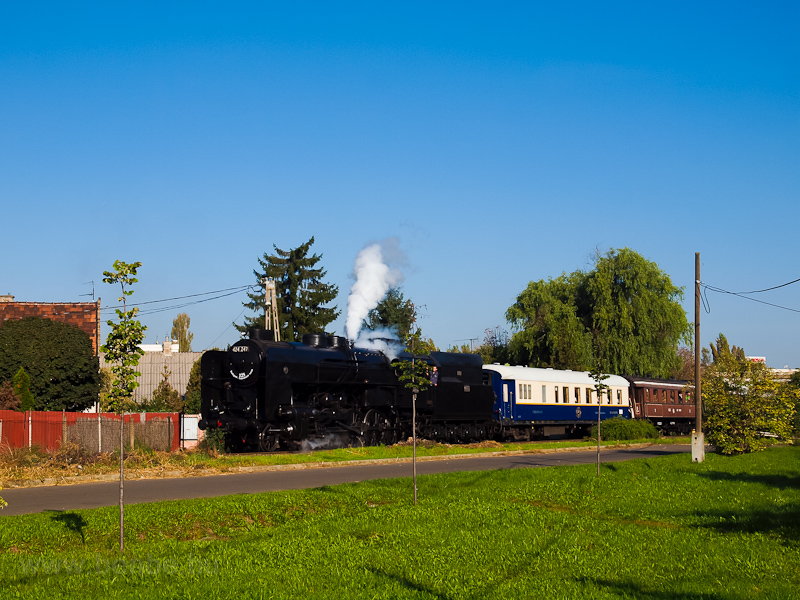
<point x="122" y="353"/>
<point x="744" y="405"/>
<point x="624" y="313"/>
<point x="180" y="332"/>
<point x="58" y="358"/>
<point x="302" y="295"/>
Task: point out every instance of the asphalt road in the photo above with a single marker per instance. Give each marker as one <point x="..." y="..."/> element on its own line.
<point x="94" y="495"/>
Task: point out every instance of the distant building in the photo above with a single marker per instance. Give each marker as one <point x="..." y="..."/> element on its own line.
<point x="779" y="374"/>
<point x="151" y="366"/>
<point x="83" y="315"/>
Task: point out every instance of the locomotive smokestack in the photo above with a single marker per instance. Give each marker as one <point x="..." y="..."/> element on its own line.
<point x="374" y="277"/>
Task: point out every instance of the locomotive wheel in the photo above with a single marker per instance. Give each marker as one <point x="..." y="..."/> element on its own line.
<point x="389" y="432"/>
<point x="266" y="442"/>
<point x="371" y="428"/>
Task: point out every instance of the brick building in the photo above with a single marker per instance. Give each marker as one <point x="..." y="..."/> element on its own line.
<point x="83" y="315"/>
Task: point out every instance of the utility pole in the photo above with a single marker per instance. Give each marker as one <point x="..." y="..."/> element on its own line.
<point x="698" y="439"/>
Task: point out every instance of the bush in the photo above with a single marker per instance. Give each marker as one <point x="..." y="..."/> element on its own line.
<point x="213" y="441"/>
<point x="626" y="429"/>
<point x="9" y="400"/>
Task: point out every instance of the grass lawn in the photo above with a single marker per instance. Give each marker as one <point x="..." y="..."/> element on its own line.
<point x="657" y="529"/>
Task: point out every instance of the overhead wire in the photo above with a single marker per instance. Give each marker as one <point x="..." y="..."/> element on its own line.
<point x="171" y="307"/>
<point x="712" y="288"/>
<point x="231" y="290"/>
<point x="769" y="289"/>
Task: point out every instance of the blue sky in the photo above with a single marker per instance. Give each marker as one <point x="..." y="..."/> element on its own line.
<point x="499" y="142"/>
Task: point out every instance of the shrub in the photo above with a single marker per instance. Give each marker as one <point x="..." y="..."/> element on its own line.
<point x="213" y="442"/>
<point x="626" y="429"/>
<point x="9" y="400"/>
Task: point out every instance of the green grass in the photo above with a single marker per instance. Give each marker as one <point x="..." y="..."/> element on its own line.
<point x="658" y="529"/>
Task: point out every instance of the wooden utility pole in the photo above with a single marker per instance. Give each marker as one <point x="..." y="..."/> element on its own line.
<point x="698" y="440"/>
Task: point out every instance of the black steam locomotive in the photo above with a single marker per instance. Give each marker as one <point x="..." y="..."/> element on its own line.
<point x="265" y="394"/>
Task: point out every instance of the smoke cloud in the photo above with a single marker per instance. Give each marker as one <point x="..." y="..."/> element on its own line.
<point x="375" y="275"/>
<point x="382" y="340"/>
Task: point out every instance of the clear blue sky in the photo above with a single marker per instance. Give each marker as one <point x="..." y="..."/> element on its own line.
<point x="500" y="142"/>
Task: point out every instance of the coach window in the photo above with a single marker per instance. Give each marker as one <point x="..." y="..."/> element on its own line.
<point x="680" y="397"/>
<point x="544" y="393"/>
<point x="619" y="396"/>
<point x="577" y="395"/>
<point x="556" y="396"/>
<point x="565" y="389"/>
<point x="608" y="396"/>
<point x="588" y="395"/>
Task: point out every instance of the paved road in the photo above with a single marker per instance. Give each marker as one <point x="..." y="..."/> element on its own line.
<point x="93" y="495"/>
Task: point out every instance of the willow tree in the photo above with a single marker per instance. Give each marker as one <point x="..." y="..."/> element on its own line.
<point x="302" y="295"/>
<point x="623" y="316"/>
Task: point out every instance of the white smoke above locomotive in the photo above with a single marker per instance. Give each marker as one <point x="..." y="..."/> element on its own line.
<point x="376" y="271"/>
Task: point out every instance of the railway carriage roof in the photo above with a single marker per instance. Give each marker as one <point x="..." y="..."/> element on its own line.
<point x="582" y="378"/>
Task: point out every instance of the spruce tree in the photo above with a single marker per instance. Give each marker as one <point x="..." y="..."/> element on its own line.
<point x="300" y="290"/>
<point x="393" y="312"/>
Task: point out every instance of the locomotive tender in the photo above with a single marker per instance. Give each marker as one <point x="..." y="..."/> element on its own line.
<point x="265" y="394"/>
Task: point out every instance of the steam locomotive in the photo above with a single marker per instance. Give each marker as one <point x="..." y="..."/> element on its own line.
<point x="265" y="394"/>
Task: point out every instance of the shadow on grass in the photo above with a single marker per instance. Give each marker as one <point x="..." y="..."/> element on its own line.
<point x="780" y="482"/>
<point x="780" y="521"/>
<point x="783" y="523"/>
<point x="634" y="590"/>
<point x="408" y="584"/>
<point x="72" y="521"/>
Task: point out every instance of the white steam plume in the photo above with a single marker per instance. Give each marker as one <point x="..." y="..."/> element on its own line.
<point x="374" y="277"/>
<point x="383" y="340"/>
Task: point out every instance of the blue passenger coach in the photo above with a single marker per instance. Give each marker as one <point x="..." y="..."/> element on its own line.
<point x="533" y="402"/>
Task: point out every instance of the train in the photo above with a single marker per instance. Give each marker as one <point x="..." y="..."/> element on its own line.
<point x="266" y="395"/>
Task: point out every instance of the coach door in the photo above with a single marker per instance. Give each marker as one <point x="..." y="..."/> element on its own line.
<point x="508" y="400"/>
